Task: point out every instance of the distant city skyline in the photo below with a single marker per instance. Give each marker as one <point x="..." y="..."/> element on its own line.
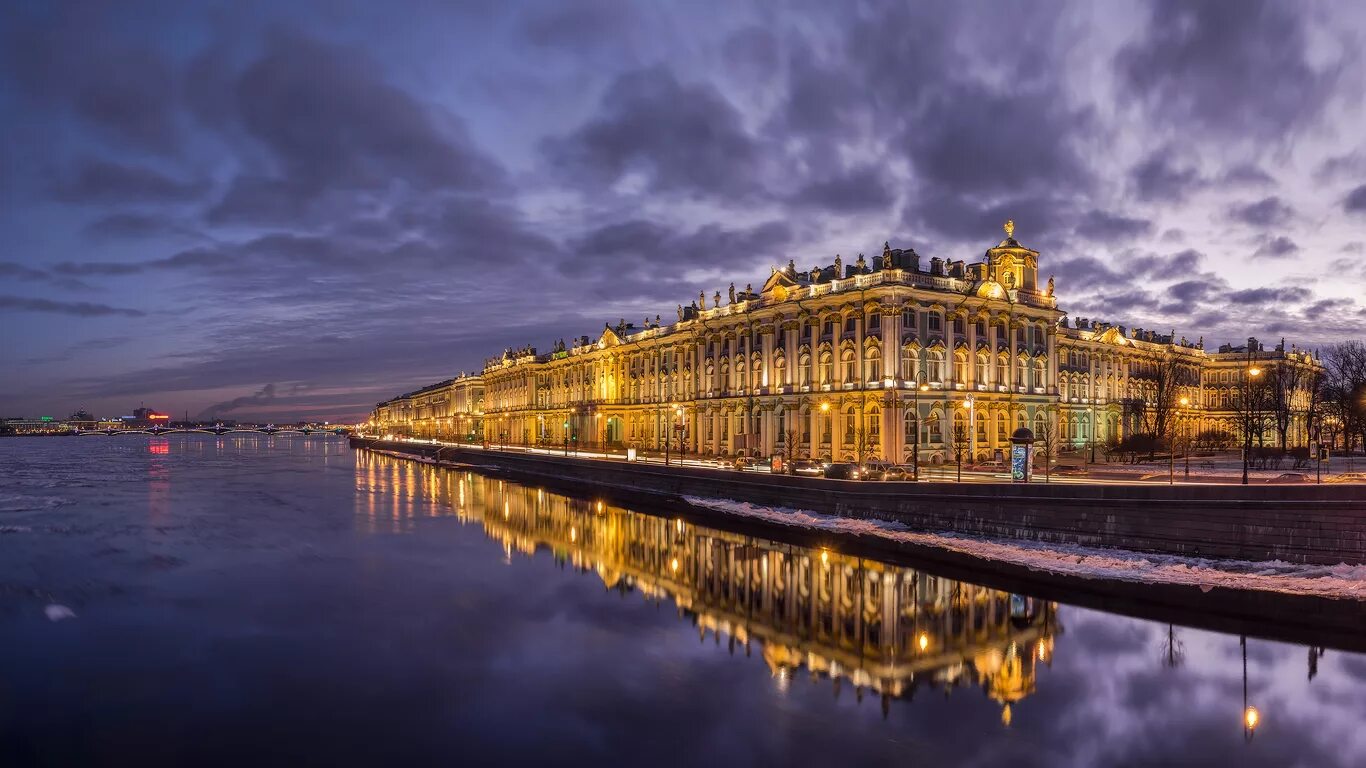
<point x="285" y="213"/>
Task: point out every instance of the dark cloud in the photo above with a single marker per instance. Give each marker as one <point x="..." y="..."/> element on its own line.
<point x="1267" y="212"/>
<point x="1247" y="174"/>
<point x="861" y="189"/>
<point x="684" y="138"/>
<point x="1276" y="247"/>
<point x="1356" y="200"/>
<point x="264" y="396"/>
<point x="102" y="181"/>
<point x="74" y="308"/>
<point x="1159" y="177"/>
<point x="128" y="225"/>
<point x="625" y="256"/>
<point x="1239" y="68"/>
<point x="1106" y="227"/>
<point x="1269" y="295"/>
<point x="64" y="58"/>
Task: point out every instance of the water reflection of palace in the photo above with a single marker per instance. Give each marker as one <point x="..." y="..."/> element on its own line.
<point x="878" y="627"/>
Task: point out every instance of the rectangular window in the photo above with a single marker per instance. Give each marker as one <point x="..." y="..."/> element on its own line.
<point x="934" y="321"/>
<point x="908" y="318"/>
<point x="875" y="322"/>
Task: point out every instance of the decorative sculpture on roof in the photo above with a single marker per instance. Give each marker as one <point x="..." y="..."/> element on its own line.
<point x="749" y="290"/>
<point x="716" y="300"/>
<point x="839" y="267"/>
<point x="1049" y="292"/>
<point x="680" y="313"/>
<point x="1010" y="228"/>
<point x="861" y="265"/>
<point x="791" y="267"/>
<point x="702" y="297"/>
<point x="732" y="293"/>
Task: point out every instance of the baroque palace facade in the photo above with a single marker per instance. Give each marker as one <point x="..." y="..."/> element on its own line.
<point x="856" y="361"/>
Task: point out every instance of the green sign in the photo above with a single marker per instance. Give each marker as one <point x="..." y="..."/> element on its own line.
<point x="46" y="418"/>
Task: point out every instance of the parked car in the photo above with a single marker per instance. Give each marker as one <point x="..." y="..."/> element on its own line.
<point x="873" y="470"/>
<point x="744" y="462"/>
<point x="842" y="470"/>
<point x="806" y="467"/>
<point x="899" y="472"/>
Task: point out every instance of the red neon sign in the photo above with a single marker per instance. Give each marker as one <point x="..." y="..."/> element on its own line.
<point x="158" y="416"/>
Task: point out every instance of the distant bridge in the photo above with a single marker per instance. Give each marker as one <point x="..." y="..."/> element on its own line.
<point x="217" y="431"/>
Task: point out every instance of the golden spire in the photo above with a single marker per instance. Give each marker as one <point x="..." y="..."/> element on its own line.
<point x="1010" y="228"/>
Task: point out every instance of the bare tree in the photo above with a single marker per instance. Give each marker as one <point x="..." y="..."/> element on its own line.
<point x="1344" y="389"/>
<point x="1173" y="650"/>
<point x="1165" y="379"/>
<point x="1047" y="438"/>
<point x="956" y="441"/>
<point x="1285" y="380"/>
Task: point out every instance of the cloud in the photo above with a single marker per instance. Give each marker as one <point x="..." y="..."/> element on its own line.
<point x="102" y="181"/>
<point x="1159" y="177"/>
<point x="1104" y="226"/>
<point x="865" y="188"/>
<point x="1237" y="68"/>
<point x="1269" y="295"/>
<point x="1276" y="247"/>
<point x="684" y="138"/>
<point x="263" y="396"/>
<point x="1267" y="212"/>
<point x="74" y="308"/>
<point x="1356" y="200"/>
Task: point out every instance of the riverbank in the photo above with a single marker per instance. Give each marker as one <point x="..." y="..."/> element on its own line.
<point x="1305" y="604"/>
<point x="1320" y="525"/>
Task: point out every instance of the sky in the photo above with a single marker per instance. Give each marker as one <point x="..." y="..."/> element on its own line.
<point x="259" y="210"/>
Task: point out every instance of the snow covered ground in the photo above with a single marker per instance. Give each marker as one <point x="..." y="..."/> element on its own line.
<point x="1338" y="581"/>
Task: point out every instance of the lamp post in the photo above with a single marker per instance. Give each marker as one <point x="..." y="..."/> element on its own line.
<point x="972" y="427"/>
<point x="1252" y="373"/>
<point x="915" y="454"/>
<point x="1184" y="421"/>
<point x="825" y="414"/>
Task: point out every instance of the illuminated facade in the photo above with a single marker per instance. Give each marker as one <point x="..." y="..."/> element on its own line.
<point x="875" y="627"/>
<point x="452" y="409"/>
<point x="856" y="361"/>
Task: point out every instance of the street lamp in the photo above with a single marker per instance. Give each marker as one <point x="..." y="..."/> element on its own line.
<point x="1185" y="434"/>
<point x="825" y="414"/>
<point x="1248" y="418"/>
<point x="915" y="455"/>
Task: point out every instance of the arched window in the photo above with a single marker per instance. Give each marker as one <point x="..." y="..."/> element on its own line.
<point x="850" y="366"/>
<point x="909" y="426"/>
<point x="872" y="364"/>
<point x="850" y="424"/>
<point x="910" y="364"/>
<point x="873" y="425"/>
<point x="804" y="371"/>
<point x="1003" y="369"/>
<point x="935" y="428"/>
<point x="1021" y="371"/>
<point x="1039" y="373"/>
<point x="935" y="366"/>
<point x="983" y="369"/>
<point x="960" y="368"/>
<point x="827" y="368"/>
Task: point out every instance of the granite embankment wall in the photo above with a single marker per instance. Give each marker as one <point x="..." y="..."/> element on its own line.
<point x="1323" y="524"/>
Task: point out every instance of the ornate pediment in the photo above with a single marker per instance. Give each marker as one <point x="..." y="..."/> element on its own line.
<point x="609" y="338"/>
<point x="1113" y="336"/>
<point x="778" y="284"/>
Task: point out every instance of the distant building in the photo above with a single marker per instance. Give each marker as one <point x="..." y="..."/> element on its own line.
<point x="143" y="418"/>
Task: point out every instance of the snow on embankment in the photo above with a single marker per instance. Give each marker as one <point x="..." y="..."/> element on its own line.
<point x="1335" y="581"/>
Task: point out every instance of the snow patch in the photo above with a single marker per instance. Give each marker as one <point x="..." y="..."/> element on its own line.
<point x="1333" y="581"/>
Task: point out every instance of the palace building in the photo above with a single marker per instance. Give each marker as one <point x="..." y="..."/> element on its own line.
<point x="876" y="358"/>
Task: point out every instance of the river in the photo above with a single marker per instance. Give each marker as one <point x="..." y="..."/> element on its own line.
<point x="191" y="600"/>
